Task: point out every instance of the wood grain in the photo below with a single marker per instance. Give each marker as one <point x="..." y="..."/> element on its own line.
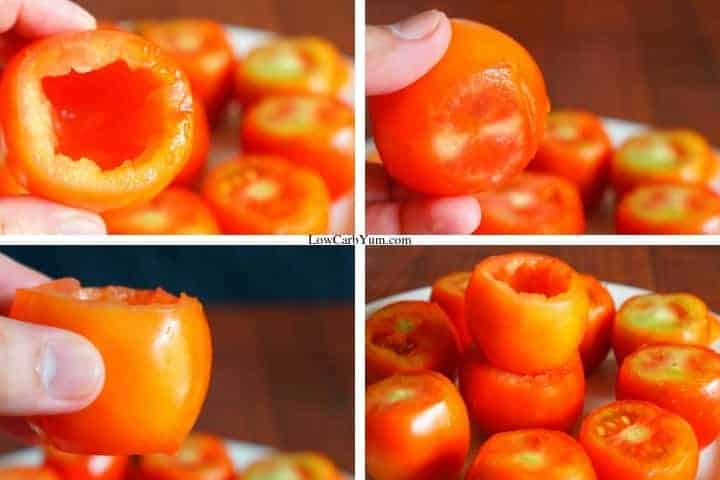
<point x="282" y="376"/>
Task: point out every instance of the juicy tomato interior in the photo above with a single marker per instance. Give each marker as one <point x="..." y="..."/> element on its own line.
<point x="293" y="466"/>
<point x="258" y="188"/>
<point x="654" y="152"/>
<point x="113" y="294"/>
<point x="668" y="203"/>
<point x="280" y="61"/>
<point x="536" y="275"/>
<point x="296" y="115"/>
<point x="201" y="453"/>
<point x="674" y="364"/>
<point x="662" y="313"/>
<point x="106" y="115"/>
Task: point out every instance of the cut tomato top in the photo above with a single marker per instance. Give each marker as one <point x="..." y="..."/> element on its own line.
<point x="660" y="314"/>
<point x="300" y="466"/>
<point x="202" y="455"/>
<point x="98" y="119"/>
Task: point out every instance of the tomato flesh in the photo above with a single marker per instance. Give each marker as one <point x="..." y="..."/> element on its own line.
<point x="201" y="457"/>
<point x="449" y="293"/>
<point x="292" y="466"/>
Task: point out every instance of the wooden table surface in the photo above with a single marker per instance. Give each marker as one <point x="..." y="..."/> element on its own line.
<point x="329" y="18"/>
<point x="654" y="61"/>
<point x="282" y="376"/>
<point x="663" y="269"/>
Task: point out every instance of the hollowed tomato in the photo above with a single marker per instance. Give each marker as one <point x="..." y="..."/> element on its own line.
<point x="416" y="428"/>
<point x="193" y="169"/>
<point x="97" y="119"/>
<point x="449" y="293"/>
<point x="409" y="337"/>
<point x="313" y="131"/>
<point x="473" y="121"/>
<point x="302" y="465"/>
<point x="201" y="457"/>
<point x="596" y="343"/>
<point x="629" y="440"/>
<point x="526" y="312"/>
<point x="157" y="353"/>
<point x="86" y="467"/>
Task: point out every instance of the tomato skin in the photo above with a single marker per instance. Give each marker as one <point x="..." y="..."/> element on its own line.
<point x="693" y="397"/>
<point x="398" y="446"/>
<point x="201" y="457"/>
<point x="662" y="157"/>
<point x="192" y="171"/>
<point x="409" y="337"/>
<point x="323" y="142"/>
<point x="173" y="211"/>
<point x="685" y="320"/>
<point x="531" y="455"/>
<point x="435" y="136"/>
<point x="306" y="465"/>
<point x="153" y="389"/>
<point x="669" y="437"/>
<point x="597" y="341"/>
<point x="105" y="169"/>
<point x="517" y="329"/>
<point x="28" y="473"/>
<point x="668" y="209"/>
<point x="532" y="203"/>
<point x="577" y="148"/>
<point x="299" y="202"/>
<point x="202" y="50"/>
<point x="449" y="292"/>
<point x="498" y="400"/>
<point x="86" y="467"/>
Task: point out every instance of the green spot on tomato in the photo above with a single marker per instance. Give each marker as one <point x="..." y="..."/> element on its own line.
<point x="404" y="325"/>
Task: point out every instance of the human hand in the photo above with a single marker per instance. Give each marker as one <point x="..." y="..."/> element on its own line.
<point x="43" y="370"/>
<point x="396" y="56"/>
<point x="27" y="214"/>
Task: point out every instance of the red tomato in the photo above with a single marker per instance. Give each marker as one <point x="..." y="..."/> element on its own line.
<point x="157" y="353"/>
<point x="201" y="457"/>
<point x="98" y="120"/>
<point x="631" y="440"/>
<point x="265" y="194"/>
<point x="531" y="455"/>
<point x="470" y="123"/>
<point x="409" y="337"/>
<point x="416" y="428"/>
<point x="301" y="466"/>
<point x="173" y="211"/>
<point x="596" y="343"/>
<point x="290" y="66"/>
<point x="671" y="209"/>
<point x="202" y="50"/>
<point x="449" y="293"/>
<point x="576" y="148"/>
<point x="672" y="156"/>
<point x="313" y="131"/>
<point x="498" y="400"/>
<point x="680" y="378"/>
<point x="659" y="318"/>
<point x="191" y="173"/>
<point x="526" y="312"/>
<point x="85" y="467"/>
<point x="532" y="203"/>
<point x="27" y="473"/>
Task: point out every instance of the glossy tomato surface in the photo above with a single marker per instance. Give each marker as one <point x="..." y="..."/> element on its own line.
<point x="258" y="194"/>
<point x="659" y="318"/>
<point x="526" y="312"/>
<point x="416" y="428"/>
<point x="302" y="465"/>
<point x="174" y="211"/>
<point x="68" y="140"/>
<point x="409" y="337"/>
<point x="532" y="203"/>
<point x="86" y="467"/>
<point x="683" y="379"/>
<point x="597" y="341"/>
<point x="157" y="353"/>
<point x="498" y="400"/>
<point x="473" y="121"/>
<point x="310" y="130"/>
<point x="201" y="457"/>
<point x="449" y="292"/>
<point x="630" y="440"/>
<point x="577" y="148"/>
<point x="531" y="455"/>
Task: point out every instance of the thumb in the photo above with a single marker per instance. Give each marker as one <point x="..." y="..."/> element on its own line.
<point x="45" y="370"/>
<point x="399" y="54"/>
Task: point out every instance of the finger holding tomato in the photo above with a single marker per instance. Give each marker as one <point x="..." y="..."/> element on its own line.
<point x="200" y="457"/>
<point x="638" y="440"/>
<point x="409" y="337"/>
<point x="659" y="318"/>
<point x="597" y="340"/>
<point x="679" y="378"/>
<point x="449" y="292"/>
<point x="304" y="465"/>
<point x="86" y="467"/>
<point x="416" y="428"/>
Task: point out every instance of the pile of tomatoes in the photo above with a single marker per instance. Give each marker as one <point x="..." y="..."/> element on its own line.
<point x="201" y="457"/>
<point x="120" y="123"/>
<point x="520" y="333"/>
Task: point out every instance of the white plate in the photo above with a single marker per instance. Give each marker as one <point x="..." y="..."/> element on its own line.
<point x="601" y="384"/>
<point x="242" y="454"/>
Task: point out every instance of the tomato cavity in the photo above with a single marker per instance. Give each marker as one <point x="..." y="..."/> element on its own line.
<point x="127" y="296"/>
<point x="662" y="364"/>
<point x="654" y="153"/>
<point x="107" y="115"/>
<point x="278" y="62"/>
<point x="661" y="203"/>
<point x="656" y="315"/>
<point x="541" y="276"/>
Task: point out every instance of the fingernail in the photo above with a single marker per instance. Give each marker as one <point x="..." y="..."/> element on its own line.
<point x="70" y="369"/>
<point x="417" y="27"/>
<point x="80" y="224"/>
<point x="76" y="16"/>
